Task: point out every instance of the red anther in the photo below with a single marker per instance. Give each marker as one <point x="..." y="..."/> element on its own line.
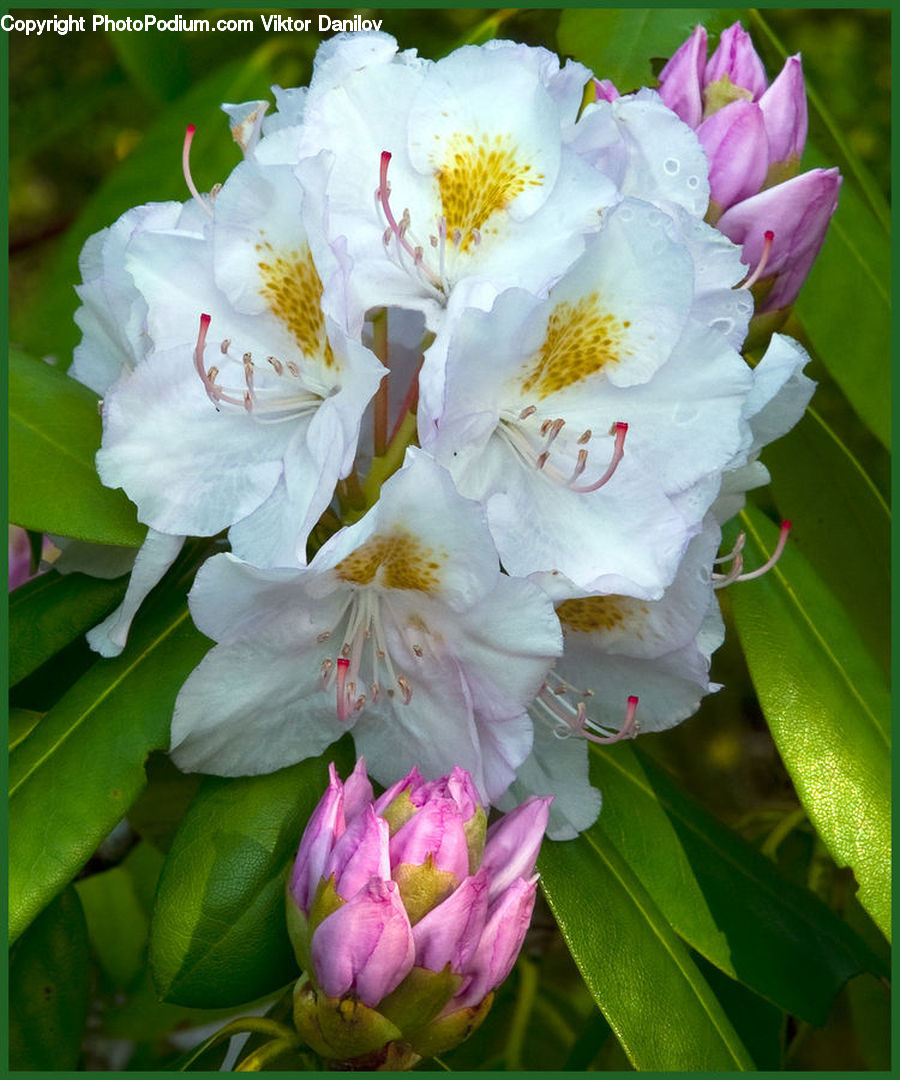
<point x="618" y="454"/>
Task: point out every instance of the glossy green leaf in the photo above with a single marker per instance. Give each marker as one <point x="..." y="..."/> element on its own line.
<point x="151" y="173"/>
<point x="730" y="903"/>
<point x="844" y="307"/>
<point x="827" y="706"/>
<point x="54" y="432"/>
<point x="52" y="611"/>
<point x="21" y="723"/>
<point x="840" y="523"/>
<point x="49" y="986"/>
<point x="77" y="773"/>
<point x="619" y="43"/>
<point x="635" y="965"/>
<point x="218" y="935"/>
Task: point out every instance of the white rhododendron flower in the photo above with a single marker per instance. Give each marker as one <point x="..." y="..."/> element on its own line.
<point x="245" y="410"/>
<point x="537" y="433"/>
<point x="401" y="630"/>
<point x="450" y="170"/>
<point x="628" y="665"/>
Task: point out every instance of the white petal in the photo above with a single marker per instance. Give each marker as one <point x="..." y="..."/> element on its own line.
<point x="156" y="555"/>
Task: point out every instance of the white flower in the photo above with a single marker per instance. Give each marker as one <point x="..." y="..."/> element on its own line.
<point x="536" y="431"/>
<point x="402" y="629"/>
<point x="240" y="403"/>
<point x="449" y="170"/>
<point x="618" y="648"/>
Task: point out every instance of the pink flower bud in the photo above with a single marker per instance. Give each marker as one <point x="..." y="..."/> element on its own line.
<point x="681" y="80"/>
<point x="737" y="60"/>
<point x="783" y="107"/>
<point x="499" y="943"/>
<point x="400" y="924"/>
<point x="513" y="843"/>
<point x="797" y="213"/>
<point x="366" y="945"/>
<point x="734" y="140"/>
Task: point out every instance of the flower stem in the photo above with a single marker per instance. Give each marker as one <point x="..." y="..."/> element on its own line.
<point x="525" y="999"/>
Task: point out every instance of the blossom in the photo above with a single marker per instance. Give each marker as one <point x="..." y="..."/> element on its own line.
<point x="406" y="913"/>
<point x="402" y="630"/>
<point x="753" y="134"/>
<point x="537" y="435"/>
<point x="246" y="411"/>
<point x="628" y="666"/>
<point x="450" y="170"/>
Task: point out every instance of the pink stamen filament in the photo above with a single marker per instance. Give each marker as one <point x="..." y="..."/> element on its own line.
<point x="736" y="572"/>
<point x="399" y="230"/>
<point x="579" y="723"/>
<point x="618" y="454"/>
<point x="769" y="239"/>
<point x="186" y="169"/>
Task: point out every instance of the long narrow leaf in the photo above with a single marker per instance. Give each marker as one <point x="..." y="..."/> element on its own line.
<point x="75" y="776"/>
<point x="827" y="706"/>
<point x="635" y="965"/>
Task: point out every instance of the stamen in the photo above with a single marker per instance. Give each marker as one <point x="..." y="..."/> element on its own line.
<point x="735" y="551"/>
<point x="527" y="411"/>
<point x="399" y="230"/>
<point x="769" y="239"/>
<point x="575" y="717"/>
<point x="618" y="454"/>
<point x="775" y="556"/>
<point x="186" y="169"/>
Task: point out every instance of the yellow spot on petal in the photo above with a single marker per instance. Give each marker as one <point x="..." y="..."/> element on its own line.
<point x="293" y="291"/>
<point x="595" y="614"/>
<point x="582" y="339"/>
<point x="480" y="179"/>
<point x="395" y="561"/>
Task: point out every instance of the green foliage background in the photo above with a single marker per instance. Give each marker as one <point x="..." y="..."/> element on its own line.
<point x="730" y="907"/>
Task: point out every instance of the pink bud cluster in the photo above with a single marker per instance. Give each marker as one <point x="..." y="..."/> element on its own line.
<point x="409" y="906"/>
<point x="753" y="134"/>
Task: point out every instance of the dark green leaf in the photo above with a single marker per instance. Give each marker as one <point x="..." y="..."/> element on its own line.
<point x="117" y="923"/>
<point x="50" y="612"/>
<point x="157" y="64"/>
<point x="151" y="173"/>
<point x="49" y="984"/>
<point x="619" y="43"/>
<point x="730" y="903"/>
<point x="218" y="935"/>
<point x="54" y="432"/>
<point x="840" y="523"/>
<point x="76" y="775"/>
<point x="158" y="810"/>
<point x="639" y="971"/>
<point x="826" y="703"/>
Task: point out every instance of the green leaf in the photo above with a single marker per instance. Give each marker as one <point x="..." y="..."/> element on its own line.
<point x="117" y="906"/>
<point x="49" y="985"/>
<point x="730" y="903"/>
<point x="78" y="772"/>
<point x="637" y="968"/>
<point x="21" y="723"/>
<point x="52" y="611"/>
<point x="54" y="432"/>
<point x="844" y="307"/>
<point x="826" y="703"/>
<point x="151" y="173"/>
<point x="619" y="43"/>
<point x="218" y="935"/>
<point x="840" y="523"/>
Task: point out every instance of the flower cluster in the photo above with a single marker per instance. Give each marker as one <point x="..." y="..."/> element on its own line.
<point x="405" y="913"/>
<point x="456" y="363"/>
